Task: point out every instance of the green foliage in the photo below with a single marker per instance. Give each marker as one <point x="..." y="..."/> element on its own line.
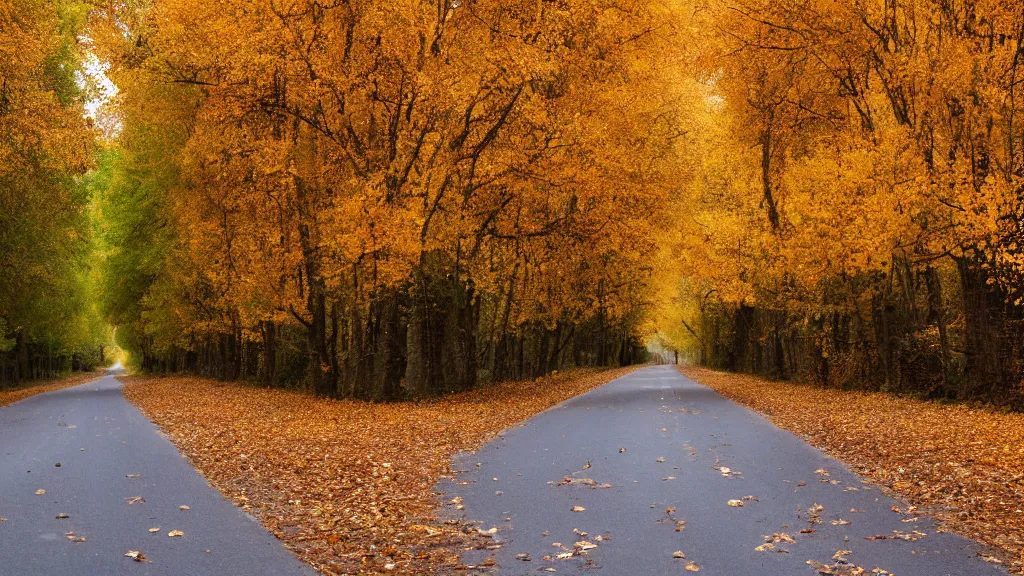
<point x="48" y="317"/>
<point x="136" y="240"/>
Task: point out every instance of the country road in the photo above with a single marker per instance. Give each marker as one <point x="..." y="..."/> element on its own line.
<point x="107" y="469"/>
<point x="651" y="461"/>
<point x="629" y="473"/>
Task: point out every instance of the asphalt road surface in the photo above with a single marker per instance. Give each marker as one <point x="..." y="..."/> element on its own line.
<point x="713" y="451"/>
<point x="93" y="453"/>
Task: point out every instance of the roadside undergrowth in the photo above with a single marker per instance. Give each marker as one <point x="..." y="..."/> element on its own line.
<point x="962" y="465"/>
<point x="12" y="395"/>
<point x="346" y="485"/>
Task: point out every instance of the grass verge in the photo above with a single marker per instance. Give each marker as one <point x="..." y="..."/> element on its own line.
<point x="347" y="485"/>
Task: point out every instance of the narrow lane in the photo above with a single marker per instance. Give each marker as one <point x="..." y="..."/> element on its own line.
<point x="93" y="454"/>
<point x="674" y="454"/>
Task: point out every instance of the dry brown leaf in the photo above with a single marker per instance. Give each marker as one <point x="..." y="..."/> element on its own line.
<point x="137" y="556"/>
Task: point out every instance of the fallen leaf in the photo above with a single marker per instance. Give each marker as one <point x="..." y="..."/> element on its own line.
<point x="821" y="568"/>
<point x="62" y="515"/>
<point x="136" y="555"/>
<point x="154" y="530"/>
<point x="693" y="567"/>
<point x="183" y="508"/>
<point x="578" y="509"/>
<point x="735" y="503"/>
<point x="40" y="492"/>
<point x="175" y="533"/>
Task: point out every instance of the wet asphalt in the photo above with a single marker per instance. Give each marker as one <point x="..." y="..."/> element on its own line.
<point x="713" y="451"/>
<point x="93" y="452"/>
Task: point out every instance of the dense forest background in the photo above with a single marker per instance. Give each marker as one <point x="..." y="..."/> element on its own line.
<point x="390" y="200"/>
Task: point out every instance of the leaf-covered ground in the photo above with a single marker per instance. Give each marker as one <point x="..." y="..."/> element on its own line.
<point x="963" y="465"/>
<point x="347" y="485"/>
<point x="12" y="395"/>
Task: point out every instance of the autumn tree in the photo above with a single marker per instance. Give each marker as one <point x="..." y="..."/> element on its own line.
<point x="428" y="192"/>
<point x="869" y="234"/>
<point x="47" y="319"/>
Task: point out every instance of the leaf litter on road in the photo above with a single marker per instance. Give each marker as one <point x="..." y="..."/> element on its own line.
<point x="313" y="471"/>
<point x="952" y="460"/>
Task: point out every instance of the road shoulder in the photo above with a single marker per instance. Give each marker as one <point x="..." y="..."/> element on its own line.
<point x="961" y="465"/>
<point x="9" y="396"/>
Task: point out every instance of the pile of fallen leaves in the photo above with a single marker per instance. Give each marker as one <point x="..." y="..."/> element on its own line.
<point x="347" y="485"/>
<point x="12" y="395"/>
<point x="963" y="465"/>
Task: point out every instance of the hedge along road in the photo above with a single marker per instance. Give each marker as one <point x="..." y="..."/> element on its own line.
<point x="105" y="467"/>
<point x="634" y="474"/>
